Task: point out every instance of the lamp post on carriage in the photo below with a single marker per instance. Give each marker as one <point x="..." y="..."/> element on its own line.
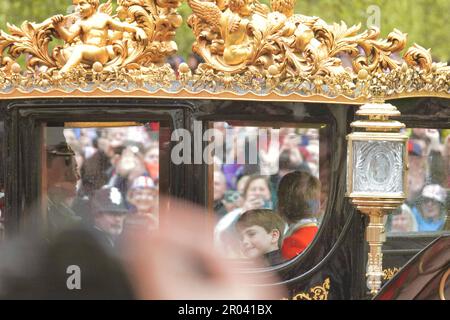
<point x="376" y="176"/>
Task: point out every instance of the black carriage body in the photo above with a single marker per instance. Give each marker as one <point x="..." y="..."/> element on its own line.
<point x="334" y="262"/>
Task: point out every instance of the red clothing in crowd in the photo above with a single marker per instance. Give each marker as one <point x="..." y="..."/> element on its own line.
<point x="299" y="240"/>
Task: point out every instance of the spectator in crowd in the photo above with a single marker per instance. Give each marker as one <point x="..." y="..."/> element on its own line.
<point x="260" y="232"/>
<point x="108" y="211"/>
<point x="402" y="220"/>
<point x="62" y="178"/>
<point x="427" y="162"/>
<point x="113" y="157"/>
<point x="100" y="166"/>
<point x="241" y="183"/>
<point x="193" y="61"/>
<point x="233" y="199"/>
<point x="238" y="151"/>
<point x="434" y="153"/>
<point x="128" y="166"/>
<point x="175" y="62"/>
<point x="143" y="196"/>
<point x="447" y="160"/>
<point x="151" y="159"/>
<point x="430" y="210"/>
<point x="220" y="187"/>
<point x="291" y="143"/>
<point x="299" y="205"/>
<point x="418" y="171"/>
<point x="257" y="193"/>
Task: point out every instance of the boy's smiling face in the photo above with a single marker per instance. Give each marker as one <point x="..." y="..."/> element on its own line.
<point x="256" y="241"/>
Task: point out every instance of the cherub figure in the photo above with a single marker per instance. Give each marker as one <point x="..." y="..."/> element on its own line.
<point x="92" y="31"/>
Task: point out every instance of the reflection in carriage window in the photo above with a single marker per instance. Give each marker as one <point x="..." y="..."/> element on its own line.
<point x="106" y="178"/>
<point x="250" y="191"/>
<point x="427" y="205"/>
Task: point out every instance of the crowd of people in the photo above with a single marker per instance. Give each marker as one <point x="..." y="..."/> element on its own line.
<point x="107" y="178"/>
<point x="252" y="191"/>
<point x="426" y="207"/>
<point x="251" y="204"/>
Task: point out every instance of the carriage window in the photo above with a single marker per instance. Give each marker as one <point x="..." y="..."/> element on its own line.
<point x="267" y="187"/>
<point x="103" y="175"/>
<point x="426" y="209"/>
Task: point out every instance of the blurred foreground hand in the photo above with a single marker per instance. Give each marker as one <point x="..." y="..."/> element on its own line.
<point x="180" y="262"/>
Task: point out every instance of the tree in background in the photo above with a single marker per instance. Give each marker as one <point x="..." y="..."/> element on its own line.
<point x="425" y="21"/>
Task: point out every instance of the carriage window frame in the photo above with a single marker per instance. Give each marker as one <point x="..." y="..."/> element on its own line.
<point x="307" y="123"/>
<point x="26" y="119"/>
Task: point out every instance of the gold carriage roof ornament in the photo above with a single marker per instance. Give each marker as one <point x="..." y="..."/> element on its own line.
<point x="249" y="52"/>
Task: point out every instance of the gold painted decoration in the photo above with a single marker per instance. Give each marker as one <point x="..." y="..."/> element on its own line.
<point x="319" y="292"/>
<point x="247" y="45"/>
<point x="249" y="50"/>
<point x="389" y="273"/>
<point x="139" y="36"/>
<point x="442" y="284"/>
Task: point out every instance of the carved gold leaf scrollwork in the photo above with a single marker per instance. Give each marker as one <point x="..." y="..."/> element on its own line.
<point x="289" y="50"/>
<point x="315" y="293"/>
<point x="28" y="39"/>
<point x="139" y="35"/>
<point x="246" y="47"/>
<point x="389" y="273"/>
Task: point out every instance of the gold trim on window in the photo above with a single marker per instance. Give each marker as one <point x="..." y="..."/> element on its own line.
<point x="319" y="292"/>
<point x="389" y="273"/>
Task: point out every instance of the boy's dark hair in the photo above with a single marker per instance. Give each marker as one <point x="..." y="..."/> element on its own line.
<point x="265" y="218"/>
<point x="296" y="192"/>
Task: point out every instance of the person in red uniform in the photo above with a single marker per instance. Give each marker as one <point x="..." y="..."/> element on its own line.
<point x="299" y="205"/>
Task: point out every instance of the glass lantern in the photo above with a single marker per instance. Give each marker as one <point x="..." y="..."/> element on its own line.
<point x="377" y="166"/>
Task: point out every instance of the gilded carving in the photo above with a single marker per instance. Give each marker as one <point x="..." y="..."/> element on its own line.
<point x="389" y="273"/>
<point x="244" y="34"/>
<point x="319" y="292"/>
<point x="139" y="36"/>
<point x="296" y="53"/>
<point x="247" y="47"/>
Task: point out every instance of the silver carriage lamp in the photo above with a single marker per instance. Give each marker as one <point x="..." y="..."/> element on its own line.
<point x="377" y="167"/>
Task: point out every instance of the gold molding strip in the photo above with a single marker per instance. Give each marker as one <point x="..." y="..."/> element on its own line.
<point x="101" y="124"/>
<point x="186" y="94"/>
<point x="442" y="284"/>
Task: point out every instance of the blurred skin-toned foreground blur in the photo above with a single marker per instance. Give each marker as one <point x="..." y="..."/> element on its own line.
<point x="176" y="262"/>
